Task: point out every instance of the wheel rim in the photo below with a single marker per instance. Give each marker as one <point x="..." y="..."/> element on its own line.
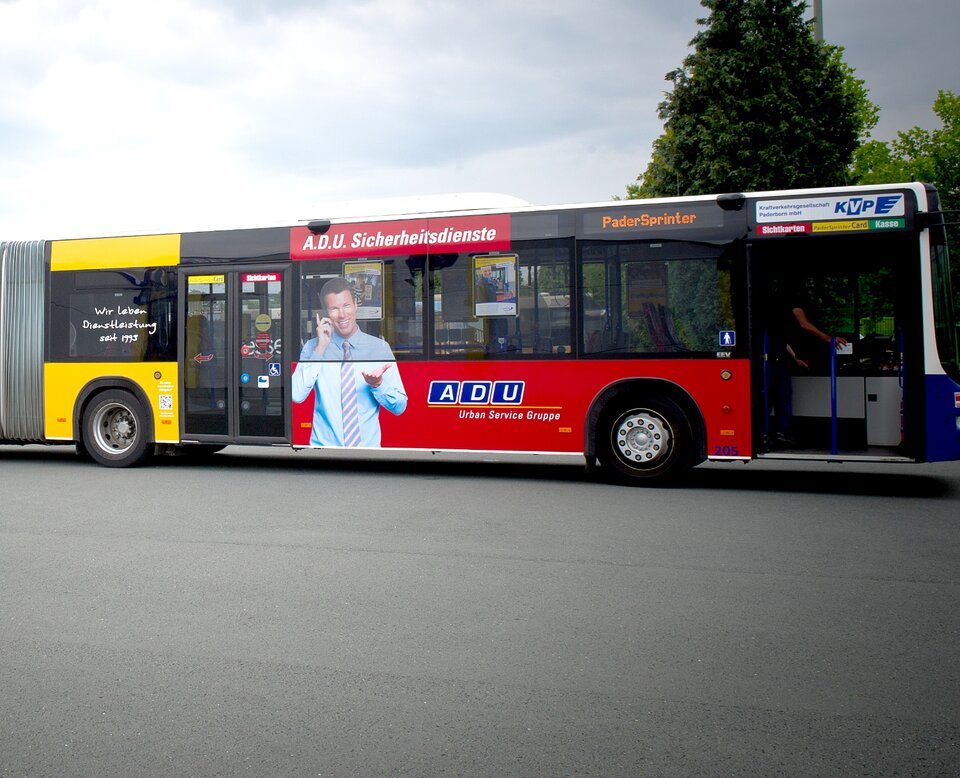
<point x="115" y="429"/>
<point x="642" y="438"/>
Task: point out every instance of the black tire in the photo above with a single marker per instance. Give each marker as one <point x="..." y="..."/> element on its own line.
<point x="115" y="432"/>
<point x="644" y="441"/>
<point x="82" y="452"/>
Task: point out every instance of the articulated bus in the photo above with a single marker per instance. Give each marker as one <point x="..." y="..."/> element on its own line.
<point x="643" y="337"/>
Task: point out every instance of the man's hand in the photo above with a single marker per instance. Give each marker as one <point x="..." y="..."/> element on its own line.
<point x="375" y="377"/>
<point x="324" y="331"/>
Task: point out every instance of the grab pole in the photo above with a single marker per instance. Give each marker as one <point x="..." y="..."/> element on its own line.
<point x="833" y="395"/>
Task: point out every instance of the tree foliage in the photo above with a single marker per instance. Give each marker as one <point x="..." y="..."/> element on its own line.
<point x="759" y="104"/>
<point x="932" y="156"/>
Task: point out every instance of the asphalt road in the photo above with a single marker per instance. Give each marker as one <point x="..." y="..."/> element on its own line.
<point x="273" y="613"/>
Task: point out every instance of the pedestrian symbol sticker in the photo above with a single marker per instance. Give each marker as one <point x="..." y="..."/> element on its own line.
<point x="728" y="338"/>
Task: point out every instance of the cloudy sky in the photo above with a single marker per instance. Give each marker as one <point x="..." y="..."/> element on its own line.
<point x="122" y="116"/>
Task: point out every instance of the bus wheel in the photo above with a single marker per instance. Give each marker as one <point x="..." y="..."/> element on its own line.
<point x="644" y="441"/>
<point x="115" y="430"/>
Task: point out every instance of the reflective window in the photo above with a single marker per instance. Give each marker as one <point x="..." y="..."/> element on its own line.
<point x="473" y="305"/>
<point x="205" y="356"/>
<point x="388" y="292"/>
<point x="655" y="298"/>
<point x="503" y="304"/>
<point x="261" y="335"/>
<point x="944" y="315"/>
<point x="113" y="315"/>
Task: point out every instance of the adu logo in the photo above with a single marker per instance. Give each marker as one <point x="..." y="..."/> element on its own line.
<point x="476" y="393"/>
<point x="882" y="205"/>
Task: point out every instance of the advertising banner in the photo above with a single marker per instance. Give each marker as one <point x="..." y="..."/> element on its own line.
<point x="405" y="236"/>
<point x="831" y="214"/>
<point x="520" y="406"/>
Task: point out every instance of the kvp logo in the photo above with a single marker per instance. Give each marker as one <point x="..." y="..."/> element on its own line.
<point x="881" y="205"/>
<point x="476" y="393"/>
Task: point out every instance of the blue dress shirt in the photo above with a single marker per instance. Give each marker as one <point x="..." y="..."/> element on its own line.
<point x="368" y="353"/>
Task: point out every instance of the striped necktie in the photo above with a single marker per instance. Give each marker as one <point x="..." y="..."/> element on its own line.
<point x="348" y="398"/>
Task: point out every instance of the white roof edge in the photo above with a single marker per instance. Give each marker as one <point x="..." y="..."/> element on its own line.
<point x="478" y="202"/>
<point x="392" y="207"/>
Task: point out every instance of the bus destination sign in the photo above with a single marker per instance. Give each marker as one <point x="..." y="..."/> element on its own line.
<point x="825" y="214"/>
<point x="622" y="221"/>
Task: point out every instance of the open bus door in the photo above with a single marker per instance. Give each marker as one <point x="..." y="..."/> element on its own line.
<point x="859" y="396"/>
<point x="235" y="384"/>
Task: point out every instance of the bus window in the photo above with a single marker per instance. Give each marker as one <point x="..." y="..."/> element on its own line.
<point x="455" y="330"/>
<point x="387" y="290"/>
<point x="113" y="315"/>
<point x="405" y="326"/>
<point x="546" y="322"/>
<point x="944" y="314"/>
<point x="655" y="298"/>
<point x="509" y="304"/>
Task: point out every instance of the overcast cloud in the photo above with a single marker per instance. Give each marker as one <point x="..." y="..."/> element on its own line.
<point x="122" y="116"/>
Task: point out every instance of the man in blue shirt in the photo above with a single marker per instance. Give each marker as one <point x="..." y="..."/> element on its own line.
<point x="353" y="375"/>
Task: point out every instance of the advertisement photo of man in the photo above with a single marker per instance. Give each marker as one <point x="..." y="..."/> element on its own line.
<point x="351" y="373"/>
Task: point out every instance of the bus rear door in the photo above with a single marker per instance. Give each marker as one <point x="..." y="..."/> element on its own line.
<point x="235" y="387"/>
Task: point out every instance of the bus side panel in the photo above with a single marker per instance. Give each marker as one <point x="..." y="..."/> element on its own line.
<point x="65" y="381"/>
<point x="101" y="253"/>
<point x="541" y="406"/>
<point x="943" y="419"/>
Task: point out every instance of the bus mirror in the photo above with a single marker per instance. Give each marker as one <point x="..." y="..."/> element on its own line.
<point x="731" y="202"/>
<point x="318" y="226"/>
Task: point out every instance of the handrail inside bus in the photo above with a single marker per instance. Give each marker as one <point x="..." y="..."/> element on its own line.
<point x="833" y="396"/>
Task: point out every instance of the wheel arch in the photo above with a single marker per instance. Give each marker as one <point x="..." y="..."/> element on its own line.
<point x="645" y="387"/>
<point x="105" y="383"/>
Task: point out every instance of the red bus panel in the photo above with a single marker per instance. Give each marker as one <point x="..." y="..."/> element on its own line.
<point x="534" y="406"/>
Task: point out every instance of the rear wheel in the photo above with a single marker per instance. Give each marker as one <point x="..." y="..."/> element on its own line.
<point x="115" y="429"/>
<point x="644" y="441"/>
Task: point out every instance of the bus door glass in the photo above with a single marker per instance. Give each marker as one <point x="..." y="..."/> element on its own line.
<point x="660" y="297"/>
<point x="234" y="383"/>
<point x="262" y="400"/>
<point x="205" y="397"/>
<point x="858" y="291"/>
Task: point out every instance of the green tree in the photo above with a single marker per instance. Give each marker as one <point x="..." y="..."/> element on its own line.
<point x="932" y="156"/>
<point x="759" y="104"/>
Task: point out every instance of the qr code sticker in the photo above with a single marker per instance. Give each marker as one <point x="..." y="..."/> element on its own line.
<point x="166" y="402"/>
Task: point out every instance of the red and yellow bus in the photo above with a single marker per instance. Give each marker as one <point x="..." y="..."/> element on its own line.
<point x="641" y="336"/>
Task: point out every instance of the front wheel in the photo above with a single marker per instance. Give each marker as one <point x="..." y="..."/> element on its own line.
<point x="644" y="441"/>
<point x="115" y="429"/>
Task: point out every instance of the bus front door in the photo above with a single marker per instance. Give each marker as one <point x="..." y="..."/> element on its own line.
<point x="854" y="399"/>
<point x="235" y="388"/>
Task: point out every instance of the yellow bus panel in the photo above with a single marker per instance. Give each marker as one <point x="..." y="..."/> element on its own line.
<point x="99" y="253"/>
<point x="63" y="383"/>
